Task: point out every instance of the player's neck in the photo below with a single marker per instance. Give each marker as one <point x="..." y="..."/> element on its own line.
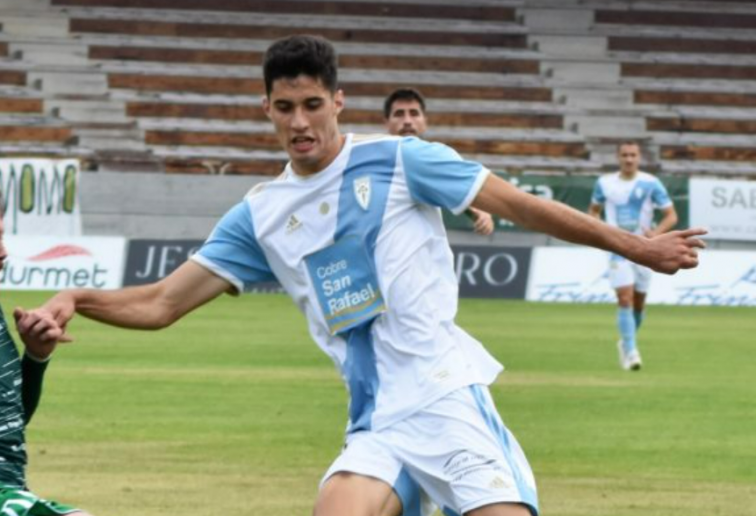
<point x="628" y="176"/>
<point x="307" y="169"/>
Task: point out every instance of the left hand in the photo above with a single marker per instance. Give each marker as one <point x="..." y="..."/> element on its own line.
<point x="483" y="224"/>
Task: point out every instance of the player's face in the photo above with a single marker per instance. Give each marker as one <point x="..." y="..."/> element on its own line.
<point x="406" y="118"/>
<point x="304" y="114"/>
<point x="629" y="159"/>
<point x="3" y="251"/>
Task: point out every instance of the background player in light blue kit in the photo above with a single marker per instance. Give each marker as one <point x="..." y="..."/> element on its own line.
<point x="628" y="199"/>
<point x="404" y="115"/>
<point x="352" y="229"/>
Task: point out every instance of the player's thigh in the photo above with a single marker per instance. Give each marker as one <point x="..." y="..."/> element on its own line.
<point x="393" y="506"/>
<point x="501" y="509"/>
<point x="621" y="273"/>
<point x="350" y="494"/>
<point x="461" y="454"/>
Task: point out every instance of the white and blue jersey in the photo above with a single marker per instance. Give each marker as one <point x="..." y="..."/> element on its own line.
<point x="630" y="204"/>
<point x="362" y="250"/>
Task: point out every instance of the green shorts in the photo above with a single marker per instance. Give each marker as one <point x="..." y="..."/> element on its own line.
<point x="24" y="503"/>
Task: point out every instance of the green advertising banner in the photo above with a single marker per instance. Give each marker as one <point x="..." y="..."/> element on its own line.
<point x="573" y="190"/>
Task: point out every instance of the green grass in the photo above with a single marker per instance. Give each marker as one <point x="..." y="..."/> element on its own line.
<point x="235" y="411"/>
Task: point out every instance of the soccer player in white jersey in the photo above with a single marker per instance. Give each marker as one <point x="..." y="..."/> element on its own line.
<point x="628" y="199"/>
<point x="353" y="231"/>
<point x="404" y="115"/>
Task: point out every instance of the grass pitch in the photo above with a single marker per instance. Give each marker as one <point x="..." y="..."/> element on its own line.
<point x="234" y="411"/>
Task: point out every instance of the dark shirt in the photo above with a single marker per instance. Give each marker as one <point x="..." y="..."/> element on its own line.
<point x="20" y="386"/>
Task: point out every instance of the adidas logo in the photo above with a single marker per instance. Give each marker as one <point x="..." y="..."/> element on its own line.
<point x="293" y="224"/>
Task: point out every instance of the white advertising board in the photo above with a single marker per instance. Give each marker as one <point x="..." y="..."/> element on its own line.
<point x="47" y="263"/>
<point x="569" y="274"/>
<point x="726" y="208"/>
<point x="580" y="275"/>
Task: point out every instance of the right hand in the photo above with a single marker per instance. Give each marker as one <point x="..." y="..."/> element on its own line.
<point x="669" y="252"/>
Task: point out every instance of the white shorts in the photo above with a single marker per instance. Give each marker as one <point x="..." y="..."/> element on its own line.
<point x="624" y="273"/>
<point x="456" y="453"/>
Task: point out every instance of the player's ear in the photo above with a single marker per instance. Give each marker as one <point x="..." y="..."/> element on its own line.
<point x="266" y="105"/>
<point x="338" y="101"/>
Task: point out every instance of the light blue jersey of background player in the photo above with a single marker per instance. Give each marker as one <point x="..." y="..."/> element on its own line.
<point x="629" y="198"/>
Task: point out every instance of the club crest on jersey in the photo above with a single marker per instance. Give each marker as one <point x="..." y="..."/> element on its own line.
<point x="639" y="192"/>
<point x="362" y="191"/>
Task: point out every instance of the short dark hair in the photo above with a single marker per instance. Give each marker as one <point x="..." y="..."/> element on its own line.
<point x="301" y="55"/>
<point x="402" y="94"/>
<point x="628" y="142"/>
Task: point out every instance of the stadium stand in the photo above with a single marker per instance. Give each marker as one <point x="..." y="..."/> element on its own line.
<point x="187" y="78"/>
<point x="692" y="65"/>
<point x="522" y="85"/>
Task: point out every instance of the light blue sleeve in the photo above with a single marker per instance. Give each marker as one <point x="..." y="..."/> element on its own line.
<point x="233" y="252"/>
<point x="659" y="195"/>
<point x="598" y="196"/>
<point x="438" y="176"/>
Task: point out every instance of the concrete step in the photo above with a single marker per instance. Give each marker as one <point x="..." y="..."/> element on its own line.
<point x="569" y="46"/>
<point x="44" y="24"/>
<point x="69" y="83"/>
<point x="721" y="168"/>
<point x="31" y="119"/>
<point x="298" y="21"/>
<point x="110" y="138"/>
<point x="566" y="72"/>
<point x="593" y="126"/>
<point x="578" y="20"/>
<point x="24" y="5"/>
<point x="597" y="98"/>
<point x="127" y="161"/>
<point x="704" y="139"/>
<point x="88" y="111"/>
<point x="51" y="53"/>
<point x="712" y="6"/>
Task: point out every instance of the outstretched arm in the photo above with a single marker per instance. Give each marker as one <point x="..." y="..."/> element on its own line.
<point x="145" y="307"/>
<point x="665" y="253"/>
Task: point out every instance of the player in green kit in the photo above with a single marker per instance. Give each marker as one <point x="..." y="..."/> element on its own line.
<point x="20" y="390"/>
